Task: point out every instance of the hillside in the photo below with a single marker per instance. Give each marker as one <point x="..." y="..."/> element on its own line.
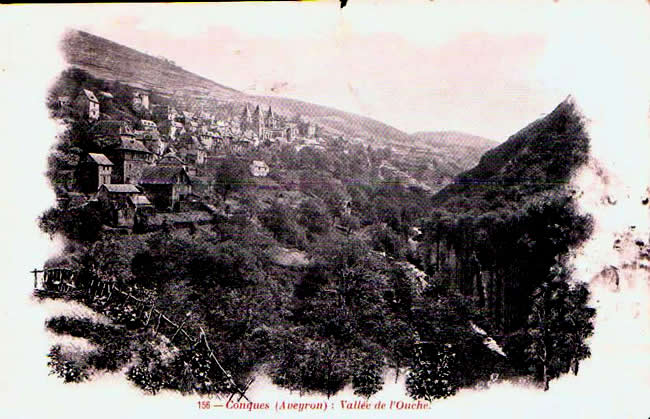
<point x="453" y="138"/>
<point x="336" y="121"/>
<point x="461" y="149"/>
<point x="538" y="158"/>
<point x="108" y="60"/>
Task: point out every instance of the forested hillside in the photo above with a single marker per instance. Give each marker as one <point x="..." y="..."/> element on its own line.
<point x="504" y="230"/>
<point x="541" y="157"/>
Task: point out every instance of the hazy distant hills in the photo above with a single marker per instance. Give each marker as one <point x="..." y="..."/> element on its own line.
<point x="463" y="149"/>
<point x="454" y="138"/>
<point x="108" y="60"/>
<point x="540" y="157"/>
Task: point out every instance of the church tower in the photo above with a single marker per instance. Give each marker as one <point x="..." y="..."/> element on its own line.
<point x="246" y="121"/>
<point x="258" y="123"/>
<point x="269" y="119"/>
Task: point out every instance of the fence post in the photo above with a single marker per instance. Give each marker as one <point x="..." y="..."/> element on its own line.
<point x="180" y="326"/>
<point x="207" y="345"/>
<point x="150" y="313"/>
<point x="155" y="333"/>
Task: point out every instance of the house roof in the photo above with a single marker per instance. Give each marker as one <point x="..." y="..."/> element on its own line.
<point x="168" y="149"/>
<point x="190" y="142"/>
<point x="139" y="201"/>
<point x="120" y="188"/>
<point x="259" y="163"/>
<point x="90" y="95"/>
<point x="147" y="135"/>
<point x="181" y="217"/>
<point x="162" y="175"/>
<point x="111" y="127"/>
<point x="166" y="124"/>
<point x="171" y="159"/>
<point x="133" y="145"/>
<point x="100" y="159"/>
<point x="200" y="180"/>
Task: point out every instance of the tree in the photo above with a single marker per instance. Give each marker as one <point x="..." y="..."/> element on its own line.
<point x="580" y="322"/>
<point x="558" y="325"/>
<point x="280" y="219"/>
<point x="384" y="239"/>
<point x="314" y="217"/>
<point x="367" y="372"/>
<point x="430" y="376"/>
<point x="231" y="175"/>
<point x="311" y="366"/>
<point x="82" y="223"/>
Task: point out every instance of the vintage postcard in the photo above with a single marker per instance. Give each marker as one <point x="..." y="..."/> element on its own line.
<point x="334" y="209"/>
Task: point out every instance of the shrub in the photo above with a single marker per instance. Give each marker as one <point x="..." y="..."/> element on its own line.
<point x="70" y="371"/>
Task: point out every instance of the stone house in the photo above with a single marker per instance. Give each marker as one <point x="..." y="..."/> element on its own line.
<point x="129" y="159"/>
<point x="140" y="100"/>
<point x="171" y="129"/>
<point x="171" y="159"/>
<point x="209" y="140"/>
<point x="148" y="125"/>
<point x="191" y="126"/>
<point x="112" y="131"/>
<point x="259" y="168"/>
<point x="186" y="117"/>
<point x="166" y="186"/>
<point x="87" y="104"/>
<point x="202" y="186"/>
<point x="164" y="112"/>
<point x="94" y="171"/>
<point x="192" y="150"/>
<point x="124" y="203"/>
<point x="152" y="140"/>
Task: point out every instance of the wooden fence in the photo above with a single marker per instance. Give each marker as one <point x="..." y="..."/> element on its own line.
<point x="63" y="281"/>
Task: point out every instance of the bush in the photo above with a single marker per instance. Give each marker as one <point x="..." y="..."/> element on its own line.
<point x="81" y="224"/>
<point x="70" y="371"/>
<point x="111" y="357"/>
<point x="314" y="217"/>
<point x="367" y="375"/>
<point x="281" y="221"/>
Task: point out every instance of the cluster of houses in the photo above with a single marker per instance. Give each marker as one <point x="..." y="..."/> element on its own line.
<point x="159" y="164"/>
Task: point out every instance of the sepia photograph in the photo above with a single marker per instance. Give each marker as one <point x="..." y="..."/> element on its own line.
<point x="326" y="209"/>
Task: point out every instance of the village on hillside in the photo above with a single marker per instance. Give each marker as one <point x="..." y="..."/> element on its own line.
<point x="157" y="162"/>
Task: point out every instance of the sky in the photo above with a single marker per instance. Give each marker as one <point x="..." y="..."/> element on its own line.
<point x="484" y="67"/>
<point x="418" y="66"/>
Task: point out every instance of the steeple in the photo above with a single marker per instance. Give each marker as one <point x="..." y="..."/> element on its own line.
<point x="246" y="119"/>
<point x="258" y="123"/>
<point x="269" y="119"/>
